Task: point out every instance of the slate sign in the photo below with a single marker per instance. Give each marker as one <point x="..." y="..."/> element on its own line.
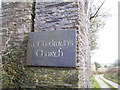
<point x="52" y="48"/>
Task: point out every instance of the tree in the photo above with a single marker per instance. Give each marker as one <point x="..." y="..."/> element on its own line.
<point x="97" y="65"/>
<point x="97" y="22"/>
<point x="117" y="62"/>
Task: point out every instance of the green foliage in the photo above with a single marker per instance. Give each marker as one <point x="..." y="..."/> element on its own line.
<point x="71" y="78"/>
<point x="94" y="83"/>
<point x="17" y="75"/>
<point x="97" y="65"/>
<point x="14" y="72"/>
<point x="113" y="74"/>
<point x="113" y="88"/>
<point x="97" y="22"/>
<point x="113" y="77"/>
<point x="95" y="25"/>
<point x="52" y="77"/>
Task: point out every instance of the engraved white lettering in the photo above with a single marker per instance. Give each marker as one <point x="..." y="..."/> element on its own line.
<point x="54" y="43"/>
<point x="58" y="53"/>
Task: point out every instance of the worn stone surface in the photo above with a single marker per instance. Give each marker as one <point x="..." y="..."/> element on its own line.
<point x="16" y="21"/>
<point x="56" y="16"/>
<point x="68" y="15"/>
<point x="16" y="17"/>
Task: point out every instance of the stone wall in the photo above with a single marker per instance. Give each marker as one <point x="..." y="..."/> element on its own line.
<point x="56" y="16"/>
<point x="68" y="16"/>
<point x="16" y="21"/>
<point x="17" y="17"/>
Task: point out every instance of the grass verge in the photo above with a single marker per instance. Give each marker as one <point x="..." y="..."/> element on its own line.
<point x="113" y="88"/>
<point x="115" y="81"/>
<point x="94" y="83"/>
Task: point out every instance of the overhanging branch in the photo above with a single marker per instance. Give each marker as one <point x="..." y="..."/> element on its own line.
<point x="96" y="13"/>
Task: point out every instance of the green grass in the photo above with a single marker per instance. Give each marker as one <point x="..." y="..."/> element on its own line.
<point x="94" y="83"/>
<point x="113" y="88"/>
<point x="114" y="80"/>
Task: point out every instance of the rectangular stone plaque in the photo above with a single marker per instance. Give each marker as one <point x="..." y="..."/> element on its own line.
<point x="52" y="48"/>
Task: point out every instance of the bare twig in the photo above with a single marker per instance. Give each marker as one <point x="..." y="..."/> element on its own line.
<point x="7" y="53"/>
<point x="7" y="45"/>
<point x="9" y="38"/>
<point x="96" y="13"/>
